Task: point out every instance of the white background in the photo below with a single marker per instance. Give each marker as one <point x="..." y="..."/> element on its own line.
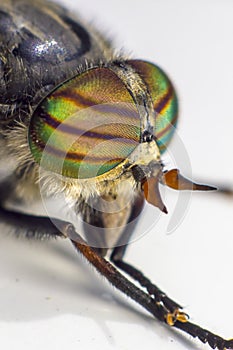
<point x="49" y="297"/>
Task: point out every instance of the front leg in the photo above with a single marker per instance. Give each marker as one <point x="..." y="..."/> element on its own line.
<point x="172" y="312"/>
<point x="153" y="290"/>
<point x="22" y="224"/>
<point x="42" y="227"/>
<point x="31" y="226"/>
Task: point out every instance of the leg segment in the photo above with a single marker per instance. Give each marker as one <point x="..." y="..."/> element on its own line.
<point x="21" y="224"/>
<point x="30" y="226"/>
<point x="172" y="312"/>
<point x="41" y="227"/>
<point x="153" y="290"/>
<point x="205" y="336"/>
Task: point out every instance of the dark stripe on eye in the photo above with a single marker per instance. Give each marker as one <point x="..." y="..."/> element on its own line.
<point x="104" y="107"/>
<point x="164" y="101"/>
<point x="72" y="95"/>
<point x="53" y="123"/>
<point x="79" y="100"/>
<point x="66" y="156"/>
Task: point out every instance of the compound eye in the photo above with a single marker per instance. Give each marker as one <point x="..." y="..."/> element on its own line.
<point x="86" y="127"/>
<point x="164" y="100"/>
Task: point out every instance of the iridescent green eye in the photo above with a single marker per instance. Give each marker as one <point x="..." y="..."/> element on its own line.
<point x="86" y="127"/>
<point x="164" y="100"/>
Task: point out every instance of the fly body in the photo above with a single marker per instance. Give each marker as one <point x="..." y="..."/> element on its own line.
<point x="77" y="119"/>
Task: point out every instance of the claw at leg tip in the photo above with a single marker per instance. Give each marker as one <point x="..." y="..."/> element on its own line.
<point x="177" y="315"/>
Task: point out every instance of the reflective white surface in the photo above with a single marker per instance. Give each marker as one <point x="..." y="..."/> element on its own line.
<point x="50" y="298"/>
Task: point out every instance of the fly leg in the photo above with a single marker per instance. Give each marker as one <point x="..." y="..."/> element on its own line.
<point x="117" y="258"/>
<point x="27" y="225"/>
<point x="41" y="227"/>
<point x="171" y="311"/>
<point x="164" y="309"/>
<point x="174" y="310"/>
<point x="30" y="226"/>
<point x="157" y="309"/>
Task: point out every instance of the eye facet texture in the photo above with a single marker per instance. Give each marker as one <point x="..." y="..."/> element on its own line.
<point x="86" y="127"/>
<point x="164" y="100"/>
